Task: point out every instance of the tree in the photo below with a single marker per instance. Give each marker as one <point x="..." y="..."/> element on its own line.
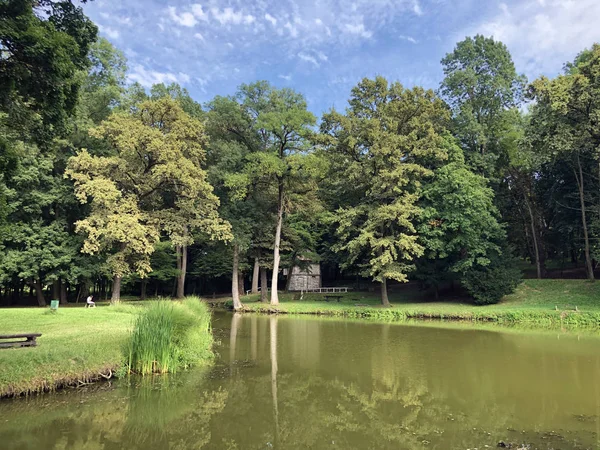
<point x="232" y="139"/>
<point x="263" y="148"/>
<point x="481" y="85"/>
<point x="564" y="124"/>
<point x="284" y="125"/>
<point x="37" y="246"/>
<point x="389" y="141"/>
<point x="152" y="183"/>
<point x="44" y="43"/>
<point x="459" y="225"/>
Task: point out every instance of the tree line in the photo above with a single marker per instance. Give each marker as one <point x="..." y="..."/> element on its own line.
<point x="105" y="185"/>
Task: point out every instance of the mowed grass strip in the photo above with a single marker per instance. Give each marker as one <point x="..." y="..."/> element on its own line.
<point x="77" y="345"/>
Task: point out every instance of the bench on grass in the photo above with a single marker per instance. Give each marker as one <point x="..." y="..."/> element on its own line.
<point x="25" y="340"/>
<point x="333" y="297"/>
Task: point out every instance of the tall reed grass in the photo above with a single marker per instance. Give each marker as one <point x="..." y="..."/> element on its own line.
<point x="168" y="336"/>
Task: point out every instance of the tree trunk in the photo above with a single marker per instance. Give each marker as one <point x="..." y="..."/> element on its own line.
<point x="274" y="296"/>
<point x="235" y="287"/>
<point x="255" y="276"/>
<point x="384" y="293"/>
<point x="116" y="290"/>
<point x="143" y="289"/>
<point x="182" y="267"/>
<point x="264" y="288"/>
<point x="39" y="293"/>
<point x="55" y="289"/>
<point x="534" y="237"/>
<point x="588" y="259"/>
<point x="63" y="292"/>
<point x="242" y="287"/>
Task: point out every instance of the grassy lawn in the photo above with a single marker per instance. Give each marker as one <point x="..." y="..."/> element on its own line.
<point x="76" y="344"/>
<point x="535" y="301"/>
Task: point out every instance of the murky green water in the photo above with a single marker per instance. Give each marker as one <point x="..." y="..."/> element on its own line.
<point x="294" y="383"/>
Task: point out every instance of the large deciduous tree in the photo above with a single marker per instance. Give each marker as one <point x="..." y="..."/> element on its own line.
<point x="152" y="183"/>
<point x="387" y="143"/>
<point x="481" y="85"/>
<point x="44" y="44"/>
<point x="270" y="157"/>
<point x="565" y="124"/>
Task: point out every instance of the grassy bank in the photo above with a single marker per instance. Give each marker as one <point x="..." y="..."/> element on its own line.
<point x="540" y="302"/>
<point x="77" y="346"/>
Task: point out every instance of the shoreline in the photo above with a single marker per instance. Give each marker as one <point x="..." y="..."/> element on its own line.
<point x="398" y="314"/>
<point x="550" y="303"/>
<point x="85" y="378"/>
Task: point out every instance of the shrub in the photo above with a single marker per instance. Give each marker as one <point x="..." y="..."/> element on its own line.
<point x="487" y="285"/>
<point x="168" y="336"/>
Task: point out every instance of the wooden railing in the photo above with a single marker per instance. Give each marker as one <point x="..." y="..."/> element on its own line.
<point x="325" y="290"/>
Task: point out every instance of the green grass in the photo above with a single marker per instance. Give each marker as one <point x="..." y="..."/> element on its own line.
<point x="534" y="302"/>
<point x="169" y="336"/>
<point x="77" y="345"/>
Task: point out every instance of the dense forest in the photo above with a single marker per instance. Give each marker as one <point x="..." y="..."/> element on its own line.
<point x="109" y="188"/>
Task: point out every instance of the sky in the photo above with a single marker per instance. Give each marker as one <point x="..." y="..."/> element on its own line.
<point x="322" y="48"/>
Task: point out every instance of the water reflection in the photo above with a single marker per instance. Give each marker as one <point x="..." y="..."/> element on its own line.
<point x="273" y="341"/>
<point x="288" y="383"/>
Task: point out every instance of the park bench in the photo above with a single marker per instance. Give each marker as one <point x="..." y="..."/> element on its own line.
<point x="26" y="340"/>
<point x="332" y="297"/>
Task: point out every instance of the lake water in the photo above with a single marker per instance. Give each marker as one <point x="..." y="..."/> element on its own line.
<point x="310" y="383"/>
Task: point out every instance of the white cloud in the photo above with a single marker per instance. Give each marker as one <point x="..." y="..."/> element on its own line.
<point x="271" y="19"/>
<point x="108" y="31"/>
<point x="202" y="81"/>
<point x="185" y="19"/>
<point x="358" y="29"/>
<point x="543" y="35"/>
<point x="183" y="77"/>
<point x="292" y="28"/>
<point x="286" y="77"/>
<point x="123" y="20"/>
<point x="230" y="16"/>
<point x="148" y="77"/>
<point x="417" y="8"/>
<point x="199" y="12"/>
<point x="322" y="56"/>
<point x="199" y="36"/>
<point x="408" y="38"/>
<point x="308" y="58"/>
<point x="318" y="21"/>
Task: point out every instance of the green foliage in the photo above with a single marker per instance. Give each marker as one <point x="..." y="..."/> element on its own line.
<point x="482" y="87"/>
<point x="490" y="283"/>
<point x="383" y="149"/>
<point x="169" y="336"/>
<point x="38" y="89"/>
<point x="459" y="226"/>
<point x="154" y="183"/>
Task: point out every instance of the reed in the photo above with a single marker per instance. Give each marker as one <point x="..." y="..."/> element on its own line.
<point x="168" y="336"/>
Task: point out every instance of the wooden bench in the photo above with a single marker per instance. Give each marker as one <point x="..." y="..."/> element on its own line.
<point x="328" y="297"/>
<point x="29" y="340"/>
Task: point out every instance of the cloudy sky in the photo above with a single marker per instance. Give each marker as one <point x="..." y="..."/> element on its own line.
<point x="324" y="47"/>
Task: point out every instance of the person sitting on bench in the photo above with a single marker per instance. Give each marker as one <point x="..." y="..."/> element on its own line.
<point x="90" y="302"/>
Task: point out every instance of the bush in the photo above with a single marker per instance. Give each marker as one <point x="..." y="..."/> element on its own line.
<point x="168" y="336"/>
<point x="487" y="285"/>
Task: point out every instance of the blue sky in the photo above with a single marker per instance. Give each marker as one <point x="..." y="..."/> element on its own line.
<point x="324" y="47"/>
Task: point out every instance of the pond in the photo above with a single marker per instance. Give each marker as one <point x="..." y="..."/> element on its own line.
<point x="306" y="382"/>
